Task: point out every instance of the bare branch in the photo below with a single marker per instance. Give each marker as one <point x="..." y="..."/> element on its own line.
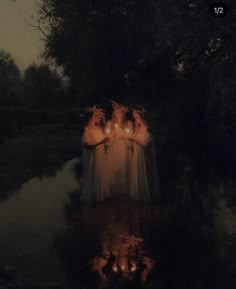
<point x="37" y="26"/>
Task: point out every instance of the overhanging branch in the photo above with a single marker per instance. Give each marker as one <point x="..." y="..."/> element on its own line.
<point x="38" y="27"/>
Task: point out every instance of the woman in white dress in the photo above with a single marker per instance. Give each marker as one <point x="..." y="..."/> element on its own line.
<point x="140" y="189"/>
<point x="117" y="154"/>
<point x="94" y="186"/>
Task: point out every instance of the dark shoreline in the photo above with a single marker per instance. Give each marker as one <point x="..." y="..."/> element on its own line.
<point x="38" y="151"/>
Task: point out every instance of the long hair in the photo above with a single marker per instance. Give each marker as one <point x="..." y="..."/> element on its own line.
<point x="141" y="112"/>
<point x="95" y="110"/>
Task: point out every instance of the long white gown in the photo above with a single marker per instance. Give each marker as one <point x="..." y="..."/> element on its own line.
<point x="93" y="162"/>
<point x="118" y="162"/>
<point x="140" y="189"/>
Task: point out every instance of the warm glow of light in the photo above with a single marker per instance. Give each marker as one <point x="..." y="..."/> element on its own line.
<point x="125" y="262"/>
<point x="133" y="268"/>
<point x="108" y="130"/>
<point x="127" y="130"/>
<point x="116" y="125"/>
<point x="114" y="268"/>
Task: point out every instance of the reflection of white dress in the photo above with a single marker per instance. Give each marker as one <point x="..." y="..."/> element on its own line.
<point x="139" y="178"/>
<point x="117" y="156"/>
<point x="93" y="161"/>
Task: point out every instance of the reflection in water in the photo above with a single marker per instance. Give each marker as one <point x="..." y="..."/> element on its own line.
<point x="124" y="254"/>
<point x="124" y="258"/>
<point x="30" y="219"/>
<point x="48" y="236"/>
<point x="116" y="237"/>
<point x="138" y="245"/>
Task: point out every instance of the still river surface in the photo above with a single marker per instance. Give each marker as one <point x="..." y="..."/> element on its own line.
<point x="49" y="238"/>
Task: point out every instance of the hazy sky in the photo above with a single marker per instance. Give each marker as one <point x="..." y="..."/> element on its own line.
<point x="16" y="37"/>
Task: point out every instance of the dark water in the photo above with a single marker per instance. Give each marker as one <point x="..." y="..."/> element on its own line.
<point x="49" y="238"/>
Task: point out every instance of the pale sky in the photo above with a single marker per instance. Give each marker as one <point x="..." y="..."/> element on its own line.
<point x="16" y="37"/>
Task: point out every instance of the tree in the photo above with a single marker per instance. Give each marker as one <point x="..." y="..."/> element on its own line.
<point x="42" y="86"/>
<point x="97" y="42"/>
<point x="10" y="80"/>
<point x="107" y="46"/>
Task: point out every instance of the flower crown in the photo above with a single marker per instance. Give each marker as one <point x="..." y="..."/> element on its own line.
<point x="120" y="107"/>
<point x="95" y="110"/>
<point x="139" y="109"/>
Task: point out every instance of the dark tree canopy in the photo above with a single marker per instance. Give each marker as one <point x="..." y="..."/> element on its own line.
<point x="41" y="86"/>
<point x="98" y="42"/>
<point x="10" y="80"/>
<point x="106" y="45"/>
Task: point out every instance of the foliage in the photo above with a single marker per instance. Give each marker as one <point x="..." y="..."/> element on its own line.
<point x="10" y="80"/>
<point x="103" y="44"/>
<point x="42" y="86"/>
<point x="97" y="42"/>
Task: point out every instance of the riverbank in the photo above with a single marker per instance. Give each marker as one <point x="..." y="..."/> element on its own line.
<point x="38" y="151"/>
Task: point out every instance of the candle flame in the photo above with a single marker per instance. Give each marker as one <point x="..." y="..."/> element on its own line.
<point x="127" y="130"/>
<point x="116" y="125"/>
<point x="115" y="268"/>
<point x="133" y="268"/>
<point x="108" y="131"/>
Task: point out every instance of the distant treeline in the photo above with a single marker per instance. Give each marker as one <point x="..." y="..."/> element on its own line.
<point x="37" y="86"/>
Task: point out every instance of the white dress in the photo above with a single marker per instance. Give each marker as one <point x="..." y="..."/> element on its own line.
<point x="93" y="162"/>
<point x="140" y="189"/>
<point x="117" y="156"/>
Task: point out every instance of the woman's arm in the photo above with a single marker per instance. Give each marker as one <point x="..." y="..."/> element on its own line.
<point x="95" y="144"/>
<point x="142" y="139"/>
<point x="90" y="139"/>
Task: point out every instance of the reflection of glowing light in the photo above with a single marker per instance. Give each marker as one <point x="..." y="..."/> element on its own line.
<point x="108" y="130"/>
<point x="127" y="130"/>
<point x="125" y="261"/>
<point x="114" y="268"/>
<point x="116" y="125"/>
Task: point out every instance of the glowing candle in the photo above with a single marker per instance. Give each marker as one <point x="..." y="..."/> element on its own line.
<point x="127" y="130"/>
<point x="116" y="125"/>
<point x="122" y="267"/>
<point x="108" y="130"/>
<point x="133" y="268"/>
<point x="115" y="268"/>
